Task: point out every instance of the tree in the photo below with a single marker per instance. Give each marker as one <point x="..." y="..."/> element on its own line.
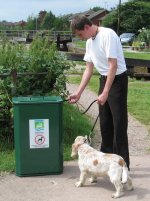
<point x="138" y="16"/>
<point x="41" y="16"/>
<point x="134" y="15"/>
<point x="48" y="21"/>
<point x="31" y="23"/>
<point x="96" y="8"/>
<point x="62" y="23"/>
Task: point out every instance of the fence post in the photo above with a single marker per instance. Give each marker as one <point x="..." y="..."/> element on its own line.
<point x="14" y="81"/>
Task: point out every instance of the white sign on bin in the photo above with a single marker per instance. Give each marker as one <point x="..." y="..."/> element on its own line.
<point x="39" y="133"/>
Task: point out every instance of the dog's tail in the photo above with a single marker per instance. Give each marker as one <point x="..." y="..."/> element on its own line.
<point x="124" y="174"/>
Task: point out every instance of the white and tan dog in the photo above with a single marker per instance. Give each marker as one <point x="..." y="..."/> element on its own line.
<point x="95" y="163"/>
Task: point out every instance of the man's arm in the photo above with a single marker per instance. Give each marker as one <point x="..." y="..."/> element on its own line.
<point x="110" y="78"/>
<point x="85" y="79"/>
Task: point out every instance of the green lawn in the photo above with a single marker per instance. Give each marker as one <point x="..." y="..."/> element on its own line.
<point x="138" y="97"/>
<point x="137" y="55"/>
<point x="139" y="100"/>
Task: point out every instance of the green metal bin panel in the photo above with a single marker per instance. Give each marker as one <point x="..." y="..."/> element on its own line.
<point x="38" y="135"/>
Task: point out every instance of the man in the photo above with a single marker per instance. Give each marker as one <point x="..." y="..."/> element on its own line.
<point x="104" y="52"/>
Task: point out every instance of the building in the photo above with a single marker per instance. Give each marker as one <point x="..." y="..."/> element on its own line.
<point x="98" y="16"/>
<point x="95" y="16"/>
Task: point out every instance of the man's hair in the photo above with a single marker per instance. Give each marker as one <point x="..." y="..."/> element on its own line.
<point x="78" y="22"/>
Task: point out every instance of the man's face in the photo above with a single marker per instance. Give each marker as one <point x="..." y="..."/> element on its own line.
<point x="83" y="34"/>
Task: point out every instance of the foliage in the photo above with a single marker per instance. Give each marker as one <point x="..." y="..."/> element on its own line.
<point x="41" y="56"/>
<point x="97" y="8"/>
<point x="111" y="20"/>
<point x="133" y="16"/>
<point x="31" y="23"/>
<point x="144" y="36"/>
<point x="62" y="23"/>
<point x="138" y="16"/>
<point x="48" y="21"/>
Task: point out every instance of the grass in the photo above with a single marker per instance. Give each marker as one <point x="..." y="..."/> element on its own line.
<point x="80" y="43"/>
<point x="137" y="55"/>
<point x="74" y="124"/>
<point x="139" y="100"/>
<point x="7" y="162"/>
<point x="138" y="97"/>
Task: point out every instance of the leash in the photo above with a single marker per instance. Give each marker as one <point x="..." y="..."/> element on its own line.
<point x="91" y="131"/>
<point x="89" y="107"/>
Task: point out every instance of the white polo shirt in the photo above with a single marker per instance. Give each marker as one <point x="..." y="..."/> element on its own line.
<point x="105" y="45"/>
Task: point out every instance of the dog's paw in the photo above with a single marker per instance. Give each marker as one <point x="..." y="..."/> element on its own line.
<point x="78" y="184"/>
<point x="117" y="195"/>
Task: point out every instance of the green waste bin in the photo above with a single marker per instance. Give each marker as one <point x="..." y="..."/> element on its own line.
<point x="38" y="135"/>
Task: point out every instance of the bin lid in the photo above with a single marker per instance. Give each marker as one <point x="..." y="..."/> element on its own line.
<point x="36" y="99"/>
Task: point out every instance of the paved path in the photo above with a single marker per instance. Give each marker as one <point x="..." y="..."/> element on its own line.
<point x="61" y="187"/>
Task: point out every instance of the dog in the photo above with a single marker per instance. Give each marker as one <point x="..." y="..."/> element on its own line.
<point x="95" y="163"/>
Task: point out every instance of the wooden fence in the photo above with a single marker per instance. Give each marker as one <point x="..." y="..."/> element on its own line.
<point x="28" y="35"/>
<point x="131" y="64"/>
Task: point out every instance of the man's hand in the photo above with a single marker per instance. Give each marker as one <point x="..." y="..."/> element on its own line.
<point x="73" y="98"/>
<point x="102" y="98"/>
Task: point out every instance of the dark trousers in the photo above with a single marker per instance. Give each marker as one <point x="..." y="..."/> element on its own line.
<point x="114" y="118"/>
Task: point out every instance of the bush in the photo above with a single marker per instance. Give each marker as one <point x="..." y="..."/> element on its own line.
<point x="144" y="36"/>
<point x="41" y="56"/>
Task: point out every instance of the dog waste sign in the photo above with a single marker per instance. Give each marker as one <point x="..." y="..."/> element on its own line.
<point x="39" y="133"/>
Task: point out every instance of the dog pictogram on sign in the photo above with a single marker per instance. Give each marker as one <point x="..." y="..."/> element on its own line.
<point x="39" y="139"/>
